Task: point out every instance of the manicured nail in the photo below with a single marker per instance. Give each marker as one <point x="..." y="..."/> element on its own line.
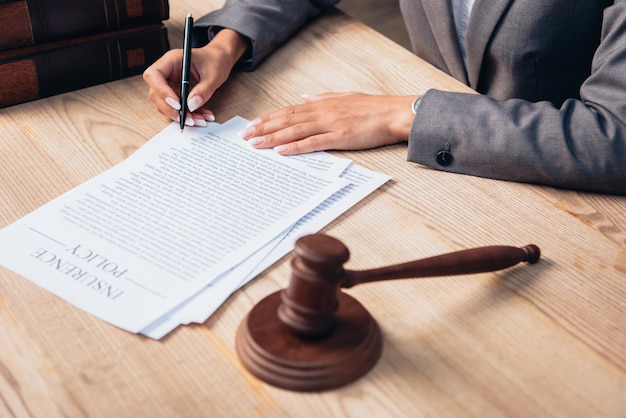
<point x="209" y="118"/>
<point x="194" y="103"/>
<point x="256" y="140"/>
<point x="172" y="103"/>
<point x="310" y="97"/>
<point x="189" y="121"/>
<point x="280" y="149"/>
<point x="199" y="122"/>
<point x="246" y="132"/>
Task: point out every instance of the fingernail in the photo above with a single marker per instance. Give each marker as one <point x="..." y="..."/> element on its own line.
<point x="189" y="121"/>
<point x="311" y="97"/>
<point x="172" y="103"/>
<point x="256" y="140"/>
<point x="280" y="149"/>
<point x="199" y="122"/>
<point x="194" y="103"/>
<point x="209" y="118"/>
<point x="246" y="132"/>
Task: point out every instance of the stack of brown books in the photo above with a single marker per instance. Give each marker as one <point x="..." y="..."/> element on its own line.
<point x="49" y="47"/>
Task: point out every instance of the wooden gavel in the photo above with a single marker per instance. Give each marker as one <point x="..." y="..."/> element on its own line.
<point x="312" y="336"/>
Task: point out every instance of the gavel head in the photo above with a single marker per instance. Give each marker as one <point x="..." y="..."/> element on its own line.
<point x="310" y="300"/>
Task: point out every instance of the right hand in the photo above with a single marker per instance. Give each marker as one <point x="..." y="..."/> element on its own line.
<point x="210" y="68"/>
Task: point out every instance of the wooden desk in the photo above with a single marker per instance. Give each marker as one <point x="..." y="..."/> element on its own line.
<point x="542" y="340"/>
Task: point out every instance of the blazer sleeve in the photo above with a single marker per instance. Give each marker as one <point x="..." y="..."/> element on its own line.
<point x="580" y="144"/>
<point x="266" y="23"/>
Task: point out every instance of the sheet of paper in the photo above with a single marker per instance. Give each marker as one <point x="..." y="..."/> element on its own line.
<point x="199" y="307"/>
<point x="208" y="300"/>
<point x="362" y="183"/>
<point x="145" y="236"/>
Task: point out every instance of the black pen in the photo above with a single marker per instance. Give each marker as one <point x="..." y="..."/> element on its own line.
<point x="184" y="77"/>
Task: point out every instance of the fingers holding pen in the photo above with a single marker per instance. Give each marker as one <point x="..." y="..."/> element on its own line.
<point x="197" y="115"/>
<point x="163" y="78"/>
<point x="210" y="67"/>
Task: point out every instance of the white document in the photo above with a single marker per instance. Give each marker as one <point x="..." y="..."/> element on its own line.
<point x="208" y="300"/>
<point x="145" y="236"/>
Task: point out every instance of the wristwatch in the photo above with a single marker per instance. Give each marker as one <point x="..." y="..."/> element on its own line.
<point x="415" y="104"/>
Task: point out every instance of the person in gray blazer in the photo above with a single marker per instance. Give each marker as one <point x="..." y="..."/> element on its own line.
<point x="551" y="77"/>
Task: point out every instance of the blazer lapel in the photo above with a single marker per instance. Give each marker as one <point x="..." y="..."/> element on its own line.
<point x="484" y="17"/>
<point x="439" y="13"/>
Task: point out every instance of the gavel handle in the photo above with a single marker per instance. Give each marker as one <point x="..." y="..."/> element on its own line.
<point x="475" y="260"/>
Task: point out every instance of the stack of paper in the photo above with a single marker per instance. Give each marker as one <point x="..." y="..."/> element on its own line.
<point x="163" y="238"/>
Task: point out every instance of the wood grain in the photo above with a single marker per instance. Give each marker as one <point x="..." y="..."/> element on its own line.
<point x="541" y="340"/>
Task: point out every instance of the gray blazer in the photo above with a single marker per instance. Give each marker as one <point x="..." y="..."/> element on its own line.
<point x="552" y="76"/>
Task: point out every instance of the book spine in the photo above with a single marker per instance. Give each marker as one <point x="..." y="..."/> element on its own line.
<point x="33" y="73"/>
<point x="31" y="22"/>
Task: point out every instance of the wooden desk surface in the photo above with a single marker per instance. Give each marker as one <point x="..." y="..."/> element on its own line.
<point x="542" y="340"/>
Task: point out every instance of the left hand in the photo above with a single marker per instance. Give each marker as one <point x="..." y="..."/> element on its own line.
<point x="340" y="121"/>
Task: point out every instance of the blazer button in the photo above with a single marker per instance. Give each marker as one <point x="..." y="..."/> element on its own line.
<point x="444" y="158"/>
